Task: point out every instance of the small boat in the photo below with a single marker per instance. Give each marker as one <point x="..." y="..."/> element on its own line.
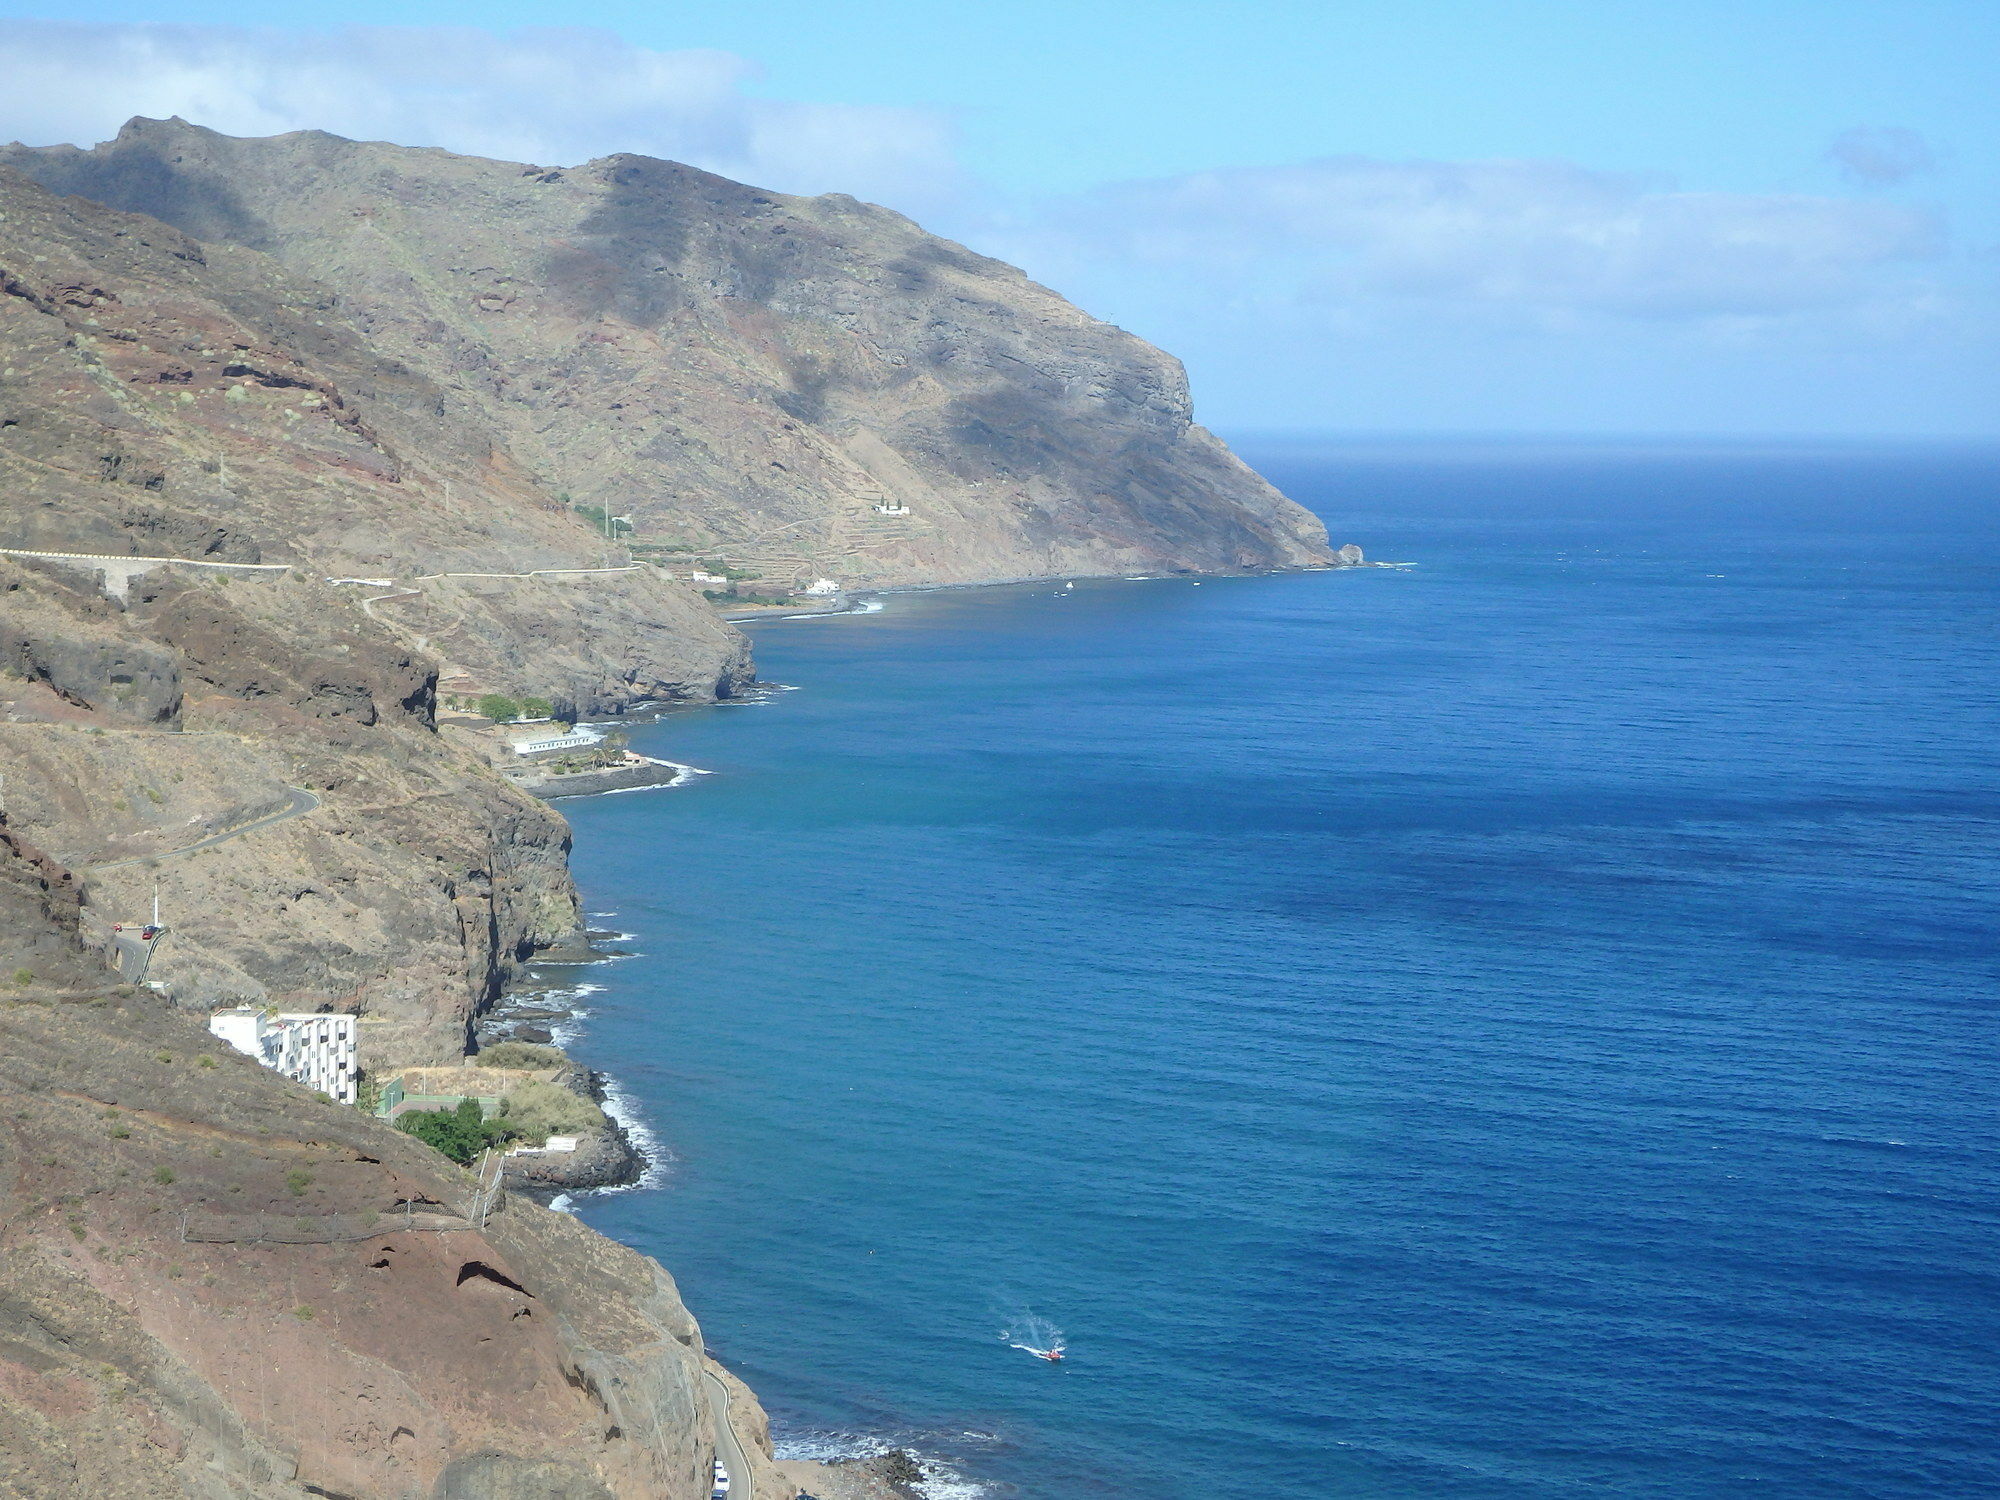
<point x="1052" y="1355"/>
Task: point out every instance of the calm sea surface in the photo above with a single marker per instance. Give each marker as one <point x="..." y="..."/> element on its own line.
<point x="1519" y="1026"/>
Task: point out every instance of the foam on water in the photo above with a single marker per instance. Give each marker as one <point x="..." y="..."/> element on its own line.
<point x="631" y="1118"/>
<point x="941" y="1481"/>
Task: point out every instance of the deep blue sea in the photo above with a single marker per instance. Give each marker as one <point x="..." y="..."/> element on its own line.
<point x="1517" y="1026"/>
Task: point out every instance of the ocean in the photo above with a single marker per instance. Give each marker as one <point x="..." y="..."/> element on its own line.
<point x="1521" y="1025"/>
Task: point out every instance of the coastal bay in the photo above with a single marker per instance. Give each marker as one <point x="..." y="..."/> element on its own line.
<point x="1518" y="1025"/>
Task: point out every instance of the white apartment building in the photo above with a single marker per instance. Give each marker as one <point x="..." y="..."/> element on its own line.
<point x="318" y="1049"/>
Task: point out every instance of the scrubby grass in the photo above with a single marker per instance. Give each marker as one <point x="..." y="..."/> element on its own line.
<point x="520" y="1055"/>
<point x="535" y="1111"/>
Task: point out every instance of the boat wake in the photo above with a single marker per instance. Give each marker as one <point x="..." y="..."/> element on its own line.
<point x="1036" y="1336"/>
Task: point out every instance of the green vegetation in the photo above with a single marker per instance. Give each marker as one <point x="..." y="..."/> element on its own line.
<point x="520" y="1055"/>
<point x="731" y="596"/>
<point x="163" y="1175"/>
<point x="297" y="1181"/>
<point x="612" y="526"/>
<point x="24" y="976"/>
<point x="717" y="565"/>
<point x="535" y="1111"/>
<point x="459" y="1133"/>
<point x="502" y="709"/>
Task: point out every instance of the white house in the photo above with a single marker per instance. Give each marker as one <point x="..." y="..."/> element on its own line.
<point x="821" y="588"/>
<point x="318" y="1049"/>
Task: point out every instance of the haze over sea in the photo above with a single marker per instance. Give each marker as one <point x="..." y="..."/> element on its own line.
<point x="1518" y="1026"/>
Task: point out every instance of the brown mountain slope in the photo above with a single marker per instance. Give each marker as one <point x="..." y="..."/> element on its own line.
<point x="164" y="397"/>
<point x="759" y="375"/>
<point x="215" y="1285"/>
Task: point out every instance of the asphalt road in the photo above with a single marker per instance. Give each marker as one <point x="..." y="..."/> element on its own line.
<point x="302" y="801"/>
<point x="726" y="1447"/>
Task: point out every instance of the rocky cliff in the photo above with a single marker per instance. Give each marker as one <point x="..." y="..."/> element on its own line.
<point x="807" y="386"/>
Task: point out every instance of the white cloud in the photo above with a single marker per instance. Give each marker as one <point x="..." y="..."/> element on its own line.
<point x="1880" y="156"/>
<point x="554" y="97"/>
<point x="1537" y="236"/>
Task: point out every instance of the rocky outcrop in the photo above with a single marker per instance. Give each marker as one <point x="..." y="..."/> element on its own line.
<point x="814" y="387"/>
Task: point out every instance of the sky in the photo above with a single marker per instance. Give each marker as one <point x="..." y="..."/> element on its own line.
<point x="1760" y="217"/>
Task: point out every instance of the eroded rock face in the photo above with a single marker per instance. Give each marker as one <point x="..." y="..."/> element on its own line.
<point x="815" y="386"/>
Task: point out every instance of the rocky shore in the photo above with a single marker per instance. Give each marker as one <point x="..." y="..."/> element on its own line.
<point x="894" y="1475"/>
<point x="626" y="778"/>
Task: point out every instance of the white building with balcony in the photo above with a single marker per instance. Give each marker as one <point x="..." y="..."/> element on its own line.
<point x="319" y="1049"/>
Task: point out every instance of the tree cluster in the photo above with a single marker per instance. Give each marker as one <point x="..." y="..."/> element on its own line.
<point x="459" y="1133"/>
<point x="504" y="710"/>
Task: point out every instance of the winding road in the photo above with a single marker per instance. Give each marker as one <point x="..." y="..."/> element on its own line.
<point x="302" y="802"/>
<point x="727" y="1448"/>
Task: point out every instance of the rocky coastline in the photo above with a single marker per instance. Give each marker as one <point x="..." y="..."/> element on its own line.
<point x="535" y="1010"/>
<point x="625" y="778"/>
<point x="268" y="510"/>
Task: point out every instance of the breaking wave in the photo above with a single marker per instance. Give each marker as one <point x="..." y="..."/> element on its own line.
<point x="941" y="1481"/>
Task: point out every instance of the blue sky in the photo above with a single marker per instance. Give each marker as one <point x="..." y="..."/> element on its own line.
<point x="1420" y="216"/>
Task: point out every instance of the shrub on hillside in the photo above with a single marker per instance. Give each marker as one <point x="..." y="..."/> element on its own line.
<point x="520" y="1055"/>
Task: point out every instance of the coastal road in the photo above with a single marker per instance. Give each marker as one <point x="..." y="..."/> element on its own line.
<point x="726" y="1447"/>
<point x="302" y="802"/>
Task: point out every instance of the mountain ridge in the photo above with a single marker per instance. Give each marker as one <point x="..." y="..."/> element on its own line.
<point x="812" y="382"/>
